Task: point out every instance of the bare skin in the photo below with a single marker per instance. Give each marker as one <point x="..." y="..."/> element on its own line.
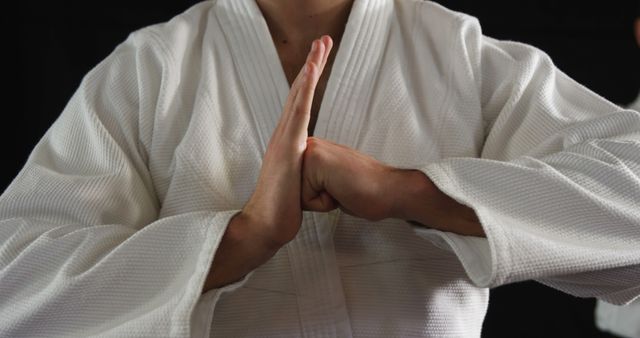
<point x="272" y="216"/>
<point x="636" y="29"/>
<point x="294" y="25"/>
<point x="307" y="173"/>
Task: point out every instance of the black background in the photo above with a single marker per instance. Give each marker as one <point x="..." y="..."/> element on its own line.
<point x="49" y="46"/>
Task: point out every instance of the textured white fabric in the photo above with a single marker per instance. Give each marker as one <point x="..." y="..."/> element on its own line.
<point x="111" y="226"/>
<point x="635" y="105"/>
<point x="622" y="320"/>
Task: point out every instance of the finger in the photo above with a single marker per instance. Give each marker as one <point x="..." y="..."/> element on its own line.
<point x="295" y="86"/>
<point x="315" y="56"/>
<point x="295" y="120"/>
<point x="325" y="43"/>
<point x="328" y="43"/>
<point x="320" y="56"/>
<point x="321" y="203"/>
<point x="304" y="99"/>
<point x="293" y="93"/>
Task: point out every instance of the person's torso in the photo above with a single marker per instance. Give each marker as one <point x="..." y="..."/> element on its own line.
<point x="388" y="96"/>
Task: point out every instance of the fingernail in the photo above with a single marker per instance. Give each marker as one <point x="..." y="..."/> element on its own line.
<point x="305" y="69"/>
<point x="314" y="45"/>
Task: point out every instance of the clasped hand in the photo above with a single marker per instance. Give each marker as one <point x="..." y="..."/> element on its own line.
<point x="307" y="173"/>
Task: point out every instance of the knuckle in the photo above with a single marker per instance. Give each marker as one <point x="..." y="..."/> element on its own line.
<point x="299" y="110"/>
<point x="311" y="69"/>
<point x="313" y="151"/>
<point x="312" y="144"/>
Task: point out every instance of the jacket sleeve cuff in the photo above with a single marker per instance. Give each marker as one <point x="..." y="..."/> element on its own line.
<point x="473" y="252"/>
<point x="202" y="315"/>
<point x="480" y="257"/>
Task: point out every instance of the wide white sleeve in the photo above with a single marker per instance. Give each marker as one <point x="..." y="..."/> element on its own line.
<point x="557" y="185"/>
<point x="82" y="251"/>
<point x="620" y="320"/>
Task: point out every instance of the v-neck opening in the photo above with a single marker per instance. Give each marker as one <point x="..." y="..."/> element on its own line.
<point x="278" y="68"/>
<point x="350" y="83"/>
<point x="343" y="108"/>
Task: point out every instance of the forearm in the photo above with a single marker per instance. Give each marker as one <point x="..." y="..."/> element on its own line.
<point x="241" y="250"/>
<point x="416" y="199"/>
<point x="273" y="214"/>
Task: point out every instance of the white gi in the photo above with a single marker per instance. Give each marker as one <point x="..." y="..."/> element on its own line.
<point x="623" y="320"/>
<point x="111" y="226"/>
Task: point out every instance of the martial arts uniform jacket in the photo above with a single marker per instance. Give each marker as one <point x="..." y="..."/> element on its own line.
<point x="622" y="320"/>
<point x="112" y="225"/>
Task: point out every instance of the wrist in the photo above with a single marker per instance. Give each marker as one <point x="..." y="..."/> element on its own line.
<point x="416" y="198"/>
<point x="271" y="225"/>
<point x="241" y="250"/>
<point x="250" y="228"/>
<point x="409" y="190"/>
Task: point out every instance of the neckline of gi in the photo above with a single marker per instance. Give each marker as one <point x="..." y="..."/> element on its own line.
<point x="350" y="83"/>
<point x="321" y="301"/>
